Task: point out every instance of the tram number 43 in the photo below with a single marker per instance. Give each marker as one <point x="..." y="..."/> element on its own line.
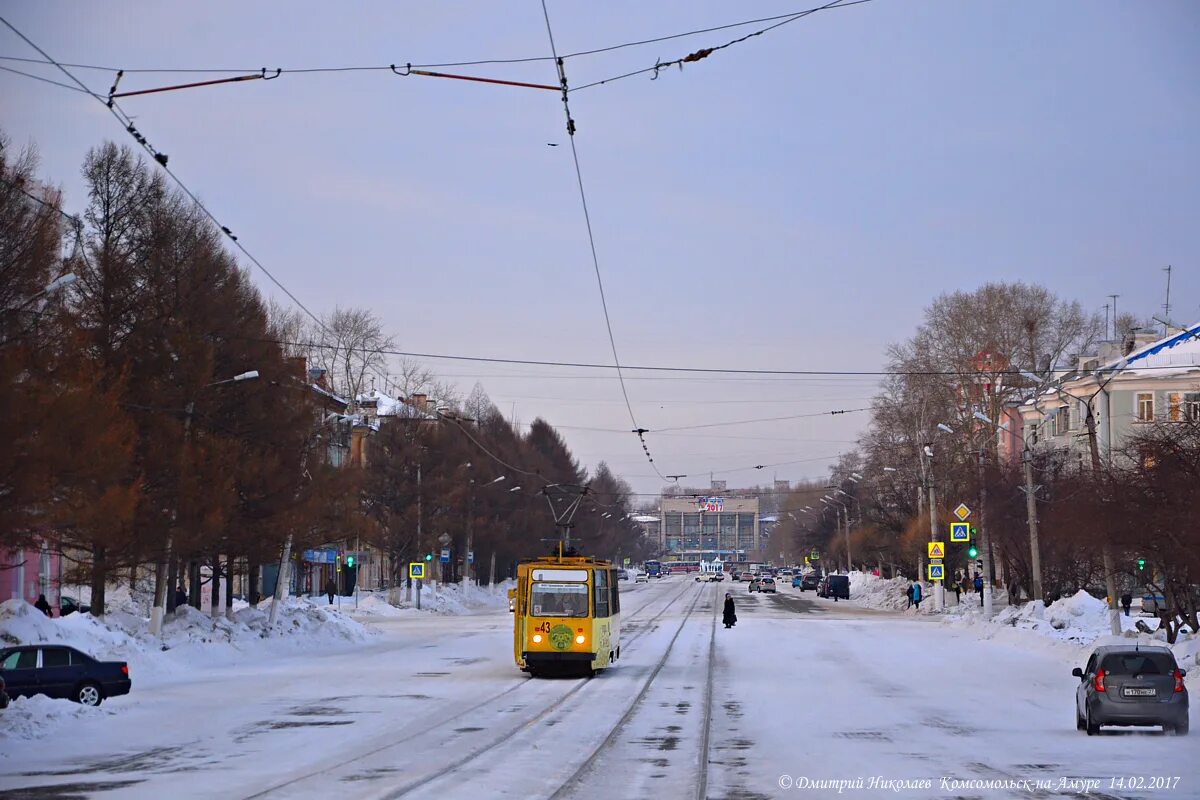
<point x="544" y="627"/>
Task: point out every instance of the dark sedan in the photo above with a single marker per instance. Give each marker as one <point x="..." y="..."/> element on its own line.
<point x="1123" y="685"/>
<point x="59" y="671"/>
<point x="809" y="581"/>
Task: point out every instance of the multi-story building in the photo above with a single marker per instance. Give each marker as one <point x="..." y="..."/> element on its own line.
<point x="1155" y="380"/>
<point x="699" y="528"/>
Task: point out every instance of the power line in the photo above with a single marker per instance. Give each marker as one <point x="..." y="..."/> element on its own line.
<point x="638" y="430"/>
<point x="705" y="52"/>
<point x="761" y="419"/>
<point x="43" y="80"/>
<point x="385" y="67"/>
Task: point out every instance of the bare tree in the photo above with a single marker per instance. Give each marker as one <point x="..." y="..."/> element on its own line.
<point x="350" y="345"/>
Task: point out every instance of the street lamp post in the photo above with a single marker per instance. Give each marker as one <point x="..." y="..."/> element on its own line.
<point x="160" y="570"/>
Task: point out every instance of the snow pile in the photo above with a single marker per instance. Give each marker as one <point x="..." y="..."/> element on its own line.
<point x="872" y="591"/>
<point x="189" y="637"/>
<point x="38" y="717"/>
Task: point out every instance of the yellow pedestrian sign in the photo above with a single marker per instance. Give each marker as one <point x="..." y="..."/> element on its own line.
<point x="962" y="512"/>
<point x="416" y="570"/>
<point x="960" y="532"/>
<point x="937" y="550"/>
<point x="937" y="572"/>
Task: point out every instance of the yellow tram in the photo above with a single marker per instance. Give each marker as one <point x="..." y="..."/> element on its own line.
<point x="566" y="615"/>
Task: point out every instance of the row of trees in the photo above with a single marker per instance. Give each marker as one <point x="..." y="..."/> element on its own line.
<point x="1143" y="502"/>
<point x="129" y="440"/>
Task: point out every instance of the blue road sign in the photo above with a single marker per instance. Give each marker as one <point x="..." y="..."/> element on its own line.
<point x="416" y="569"/>
<point x="960" y="532"/>
<point x="445" y="559"/>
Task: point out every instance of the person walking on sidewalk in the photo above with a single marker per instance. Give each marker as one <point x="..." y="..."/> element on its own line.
<point x="1126" y="602"/>
<point x="916" y="595"/>
<point x="330" y="589"/>
<point x="729" y="617"/>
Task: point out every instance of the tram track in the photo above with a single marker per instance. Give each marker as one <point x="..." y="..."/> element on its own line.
<point x="478" y="707"/>
<point x="573" y="783"/>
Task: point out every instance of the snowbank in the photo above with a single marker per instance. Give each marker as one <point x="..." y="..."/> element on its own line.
<point x="1079" y="622"/>
<point x="38" y="717"/>
<point x="189" y="637"/>
<point x="446" y="599"/>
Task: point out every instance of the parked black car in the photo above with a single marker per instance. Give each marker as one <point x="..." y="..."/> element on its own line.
<point x="3" y="695"/>
<point x="60" y="671"/>
<point x="69" y="605"/>
<point x="834" y="586"/>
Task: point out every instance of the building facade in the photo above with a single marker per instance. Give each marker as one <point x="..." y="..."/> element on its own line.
<point x="704" y="527"/>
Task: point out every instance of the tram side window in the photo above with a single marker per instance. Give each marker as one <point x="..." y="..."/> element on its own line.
<point x="614" y="596"/>
<point x="600" y="595"/>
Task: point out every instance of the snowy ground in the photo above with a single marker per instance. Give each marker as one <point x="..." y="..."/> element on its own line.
<point x="431" y="706"/>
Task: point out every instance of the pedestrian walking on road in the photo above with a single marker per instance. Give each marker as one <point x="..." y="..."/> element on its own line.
<point x="729" y="618"/>
<point x="330" y="589"/>
<point x="916" y="595"/>
<point x="908" y="595"/>
<point x="957" y="586"/>
<point x="979" y="588"/>
<point x="43" y="606"/>
<point x="1126" y="602"/>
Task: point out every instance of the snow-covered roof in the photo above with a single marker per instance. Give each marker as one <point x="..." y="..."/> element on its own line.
<point x="329" y="394"/>
<point x="645" y="518"/>
<point x="388" y="406"/>
<point x="1176" y="354"/>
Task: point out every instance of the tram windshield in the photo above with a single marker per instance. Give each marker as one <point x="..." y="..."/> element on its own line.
<point x="559" y="600"/>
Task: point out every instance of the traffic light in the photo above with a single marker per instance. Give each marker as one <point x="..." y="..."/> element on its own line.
<point x="429" y="556"/>
<point x="1141" y="565"/>
<point x="972" y="551"/>
<point x="339" y="563"/>
<point x="349" y="561"/>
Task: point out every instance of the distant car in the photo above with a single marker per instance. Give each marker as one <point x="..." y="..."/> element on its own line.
<point x="809" y="581"/>
<point x="767" y="585"/>
<point x="69" y="605"/>
<point x="798" y="582"/>
<point x="786" y="572"/>
<point x="754" y="582"/>
<point x="1124" y="685"/>
<point x="622" y="575"/>
<point x="834" y="586"/>
<point x="64" y="672"/>
<point x="641" y="577"/>
<point x="718" y="576"/>
<point x="746" y="576"/>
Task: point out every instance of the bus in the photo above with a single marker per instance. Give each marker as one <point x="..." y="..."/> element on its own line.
<point x="654" y="569"/>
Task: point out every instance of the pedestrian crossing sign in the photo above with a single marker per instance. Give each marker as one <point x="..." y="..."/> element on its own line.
<point x="937" y="572"/>
<point x="937" y="550"/>
<point x="960" y="532"/>
<point x="416" y="570"/>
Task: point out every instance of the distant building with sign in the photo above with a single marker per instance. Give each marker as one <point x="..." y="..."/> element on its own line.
<point x="704" y="527"/>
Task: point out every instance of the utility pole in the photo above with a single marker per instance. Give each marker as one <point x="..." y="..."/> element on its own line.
<point x="849" y="561"/>
<point x="985" y="547"/>
<point x="1110" y="581"/>
<point x="939" y="591"/>
<point x="420" y="554"/>
<point x="1031" y="515"/>
<point x="1114" y="297"/>
<point x="1167" y="304"/>
<point x="467" y="559"/>
<point x="160" y="569"/>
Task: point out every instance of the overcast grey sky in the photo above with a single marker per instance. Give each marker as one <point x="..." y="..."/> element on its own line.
<point x="793" y="202"/>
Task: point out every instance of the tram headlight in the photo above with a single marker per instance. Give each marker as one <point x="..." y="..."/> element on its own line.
<point x="579" y="639"/>
<point x="537" y="638"/>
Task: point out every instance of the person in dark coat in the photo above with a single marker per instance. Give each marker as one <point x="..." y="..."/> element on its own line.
<point x="181" y="598"/>
<point x="330" y="589"/>
<point x="729" y="618"/>
<point x="1126" y="602"/>
<point x="43" y="606"/>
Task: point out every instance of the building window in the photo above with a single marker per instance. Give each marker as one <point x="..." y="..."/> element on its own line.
<point x="1062" y="421"/>
<point x="1191" y="406"/>
<point x="1174" y="407"/>
<point x="1144" y="406"/>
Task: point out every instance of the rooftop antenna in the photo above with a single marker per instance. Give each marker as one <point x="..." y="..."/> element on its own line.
<point x="1114" y="297"/>
<point x="1167" y="305"/>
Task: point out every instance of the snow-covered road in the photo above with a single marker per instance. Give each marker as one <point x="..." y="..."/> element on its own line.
<point x="802" y="690"/>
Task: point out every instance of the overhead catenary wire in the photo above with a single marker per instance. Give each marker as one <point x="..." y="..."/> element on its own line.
<point x="638" y="430"/>
<point x="382" y="67"/>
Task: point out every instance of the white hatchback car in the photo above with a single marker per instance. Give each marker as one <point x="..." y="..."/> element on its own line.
<point x="641" y="577"/>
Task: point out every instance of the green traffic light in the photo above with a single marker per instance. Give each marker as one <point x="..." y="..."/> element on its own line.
<point x="428" y="557"/>
<point x="349" y="561"/>
<point x="972" y="551"/>
<point x="1141" y="564"/>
